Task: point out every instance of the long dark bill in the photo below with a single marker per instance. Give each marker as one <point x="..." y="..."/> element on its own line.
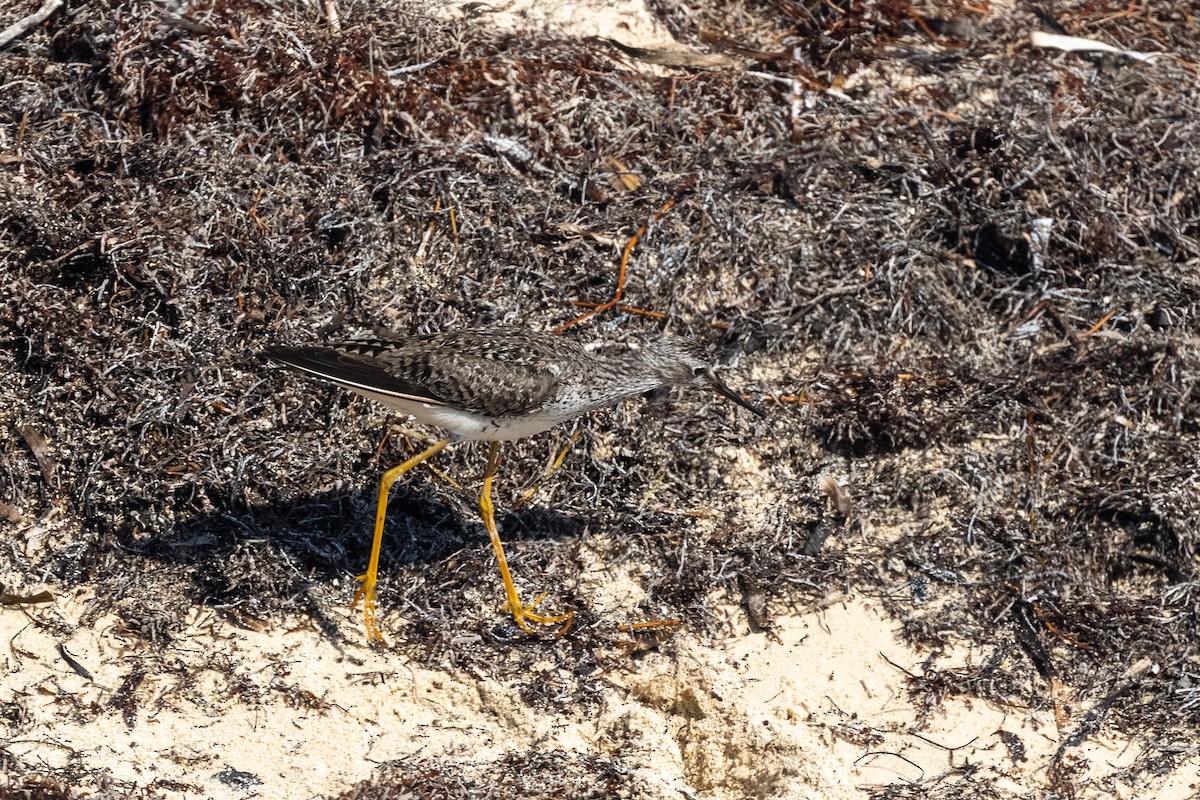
<point x="725" y="391"/>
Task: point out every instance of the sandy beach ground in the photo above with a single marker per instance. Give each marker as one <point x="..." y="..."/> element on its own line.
<point x="199" y="518"/>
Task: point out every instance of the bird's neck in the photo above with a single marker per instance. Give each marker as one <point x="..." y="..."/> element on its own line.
<point x="629" y="374"/>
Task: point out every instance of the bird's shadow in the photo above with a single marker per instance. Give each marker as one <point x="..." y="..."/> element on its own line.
<point x="277" y="556"/>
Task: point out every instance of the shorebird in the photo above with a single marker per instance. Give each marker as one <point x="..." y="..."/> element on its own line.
<point x="493" y="385"/>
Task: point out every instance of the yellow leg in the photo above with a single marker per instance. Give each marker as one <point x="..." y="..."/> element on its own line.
<point x="367" y="581"/>
<point x="521" y="613"/>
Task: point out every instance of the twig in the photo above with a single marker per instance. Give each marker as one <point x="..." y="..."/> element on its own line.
<point x="22" y="25"/>
<point x="331" y="14"/>
<point x="1103" y="321"/>
<point x="645" y="312"/>
<point x="1070" y="43"/>
<point x="616" y="298"/>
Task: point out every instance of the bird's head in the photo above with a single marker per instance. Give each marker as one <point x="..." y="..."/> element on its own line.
<point x="684" y="362"/>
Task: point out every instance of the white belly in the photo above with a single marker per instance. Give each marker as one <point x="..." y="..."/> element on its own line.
<point x="465" y="425"/>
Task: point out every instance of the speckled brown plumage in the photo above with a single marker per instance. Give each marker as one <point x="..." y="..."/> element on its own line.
<point x="499" y="384"/>
<point x="498" y="372"/>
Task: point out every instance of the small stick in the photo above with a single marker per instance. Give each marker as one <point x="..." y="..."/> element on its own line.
<point x="331" y="14"/>
<point x="616" y="298"/>
<point x="1103" y="321"/>
<point x="786" y="398"/>
<point x="437" y="207"/>
<point x="645" y="312"/>
<point x="21" y="26"/>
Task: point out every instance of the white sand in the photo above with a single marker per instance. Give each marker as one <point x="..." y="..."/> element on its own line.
<point x="821" y="712"/>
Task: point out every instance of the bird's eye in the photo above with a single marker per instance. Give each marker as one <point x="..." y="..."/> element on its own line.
<point x="698" y="371"/>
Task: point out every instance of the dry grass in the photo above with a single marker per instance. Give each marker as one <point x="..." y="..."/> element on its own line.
<point x="178" y="189"/>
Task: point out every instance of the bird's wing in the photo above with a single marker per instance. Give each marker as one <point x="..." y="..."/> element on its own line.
<point x="493" y="376"/>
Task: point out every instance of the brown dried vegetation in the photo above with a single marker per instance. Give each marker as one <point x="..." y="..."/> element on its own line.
<point x="176" y="191"/>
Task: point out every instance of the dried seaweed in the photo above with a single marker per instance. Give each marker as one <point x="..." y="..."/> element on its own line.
<point x="858" y="216"/>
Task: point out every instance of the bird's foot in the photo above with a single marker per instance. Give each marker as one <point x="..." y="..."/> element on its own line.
<point x="366" y="593"/>
<point x="525" y="617"/>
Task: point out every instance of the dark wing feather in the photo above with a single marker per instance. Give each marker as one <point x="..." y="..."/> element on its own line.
<point x="498" y="372"/>
<point x="350" y="371"/>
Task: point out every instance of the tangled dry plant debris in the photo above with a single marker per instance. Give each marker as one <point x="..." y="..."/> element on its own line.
<point x="1014" y="415"/>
